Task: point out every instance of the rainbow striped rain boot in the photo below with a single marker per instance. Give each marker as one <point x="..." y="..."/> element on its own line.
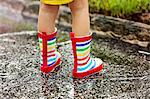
<point x="84" y="65"/>
<point x="50" y="58"/>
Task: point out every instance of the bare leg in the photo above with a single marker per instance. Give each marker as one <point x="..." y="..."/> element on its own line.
<point x="47" y="17"/>
<point x="80" y="14"/>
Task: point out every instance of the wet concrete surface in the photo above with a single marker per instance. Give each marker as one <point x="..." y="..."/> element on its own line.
<point x="21" y="78"/>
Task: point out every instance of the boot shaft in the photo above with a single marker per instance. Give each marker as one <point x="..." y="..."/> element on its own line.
<point x="50" y="58"/>
<point x="84" y="64"/>
<point x="81" y="50"/>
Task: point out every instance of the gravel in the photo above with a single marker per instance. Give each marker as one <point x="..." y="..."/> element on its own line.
<point x="21" y="78"/>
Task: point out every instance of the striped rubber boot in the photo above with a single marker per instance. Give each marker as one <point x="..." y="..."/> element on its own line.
<point x="84" y="65"/>
<point x="50" y="58"/>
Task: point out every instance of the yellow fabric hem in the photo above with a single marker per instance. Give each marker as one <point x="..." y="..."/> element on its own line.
<point x="56" y="3"/>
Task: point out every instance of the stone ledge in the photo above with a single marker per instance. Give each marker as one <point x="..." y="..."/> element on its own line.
<point x="129" y="29"/>
<point x="123" y="27"/>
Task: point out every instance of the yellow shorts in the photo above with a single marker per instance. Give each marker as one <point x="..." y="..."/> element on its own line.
<point x="56" y="2"/>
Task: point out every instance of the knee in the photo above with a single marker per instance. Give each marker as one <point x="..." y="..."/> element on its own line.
<point x="47" y="7"/>
<point x="79" y="5"/>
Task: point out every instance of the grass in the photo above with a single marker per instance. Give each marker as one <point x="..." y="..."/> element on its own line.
<point x="120" y="7"/>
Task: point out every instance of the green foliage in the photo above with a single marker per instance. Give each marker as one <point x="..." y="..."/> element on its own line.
<point x="120" y="7"/>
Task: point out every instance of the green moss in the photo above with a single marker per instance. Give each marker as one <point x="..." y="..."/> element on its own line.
<point x="21" y="26"/>
<point x="17" y="26"/>
<point x="114" y="56"/>
<point x="62" y="37"/>
<point x="120" y="7"/>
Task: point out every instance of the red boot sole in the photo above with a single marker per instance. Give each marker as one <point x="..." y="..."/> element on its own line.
<point x="51" y="68"/>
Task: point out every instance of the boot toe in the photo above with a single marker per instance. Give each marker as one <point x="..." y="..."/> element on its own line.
<point x="58" y="55"/>
<point x="98" y="61"/>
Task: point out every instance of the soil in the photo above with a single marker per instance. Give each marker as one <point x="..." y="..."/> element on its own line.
<point x="140" y="17"/>
<point x="137" y="17"/>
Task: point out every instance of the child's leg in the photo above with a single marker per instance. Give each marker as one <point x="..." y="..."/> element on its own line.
<point x="80" y="14"/>
<point x="84" y="64"/>
<point x="47" y="17"/>
<point x="50" y="58"/>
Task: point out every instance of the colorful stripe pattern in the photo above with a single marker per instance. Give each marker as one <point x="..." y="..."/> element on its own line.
<point x="52" y="55"/>
<point x="84" y="61"/>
